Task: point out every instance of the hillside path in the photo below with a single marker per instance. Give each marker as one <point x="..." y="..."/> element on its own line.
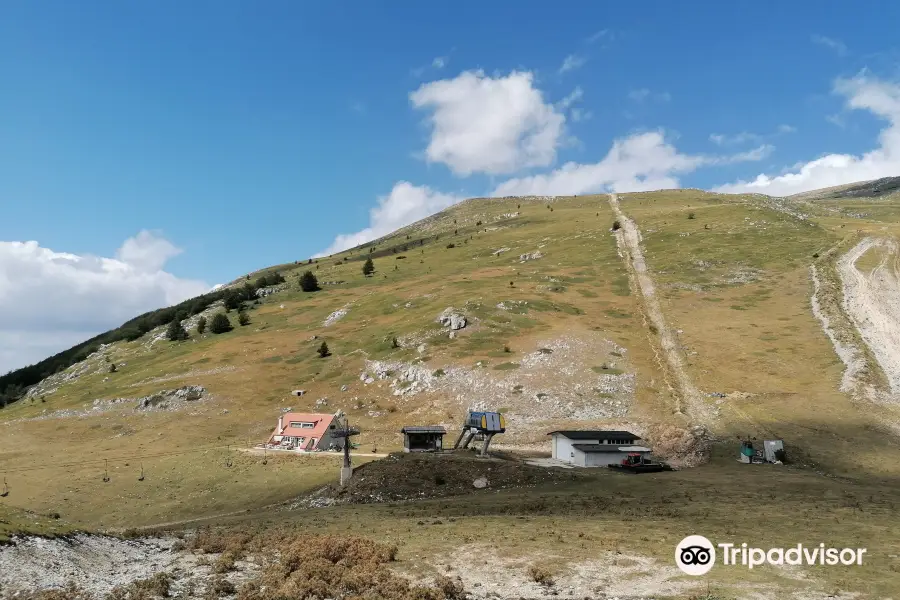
<point x="628" y="237"/>
<point x="871" y="302"/>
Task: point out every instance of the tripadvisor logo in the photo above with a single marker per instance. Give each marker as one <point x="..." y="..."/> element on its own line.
<point x="696" y="555"/>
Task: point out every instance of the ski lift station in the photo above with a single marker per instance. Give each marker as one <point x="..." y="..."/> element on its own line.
<point x="594" y="448"/>
<point x="423" y="438"/>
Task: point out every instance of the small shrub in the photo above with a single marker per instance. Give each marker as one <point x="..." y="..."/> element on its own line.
<point x="201" y="325"/>
<point x="506" y="349"/>
<point x="368" y="267"/>
<point x="616" y="225"/>
<point x="451" y="245"/>
<point x="323" y="350"/>
<point x="308" y="282"/>
<point x="220" y="324"/>
<point x="176" y="332"/>
<point x="452" y="589"/>
<point x="243" y="318"/>
<point x="224" y="564"/>
<point x="541" y="575"/>
<point x="394" y="343"/>
<point x="438" y="373"/>
<point x="691" y="215"/>
<point x="219" y="587"/>
<point x="653" y="329"/>
<point x="439" y="479"/>
<point x="112" y="368"/>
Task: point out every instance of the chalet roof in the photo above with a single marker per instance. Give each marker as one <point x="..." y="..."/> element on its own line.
<point x="321" y="422"/>
<point x="423" y="429"/>
<point x="596" y="434"/>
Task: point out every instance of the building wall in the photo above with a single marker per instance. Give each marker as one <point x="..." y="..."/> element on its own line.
<point x="599" y="459"/>
<point x="562" y="447"/>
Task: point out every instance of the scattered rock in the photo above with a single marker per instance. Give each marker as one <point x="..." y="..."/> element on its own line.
<point x="480" y="483"/>
<point x="531" y="256"/>
<point x="336" y="316"/>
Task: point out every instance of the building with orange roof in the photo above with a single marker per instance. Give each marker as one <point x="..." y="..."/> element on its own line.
<point x="306" y="432"/>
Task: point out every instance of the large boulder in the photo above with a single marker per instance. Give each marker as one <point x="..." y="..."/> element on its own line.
<point x="452" y="319"/>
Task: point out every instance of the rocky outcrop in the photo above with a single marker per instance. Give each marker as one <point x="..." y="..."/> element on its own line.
<point x="531" y="256"/>
<point x="169" y="398"/>
<point x="452" y="319"/>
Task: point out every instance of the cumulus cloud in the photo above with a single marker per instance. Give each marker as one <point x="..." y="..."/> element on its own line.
<point x="863" y="92"/>
<point x="571" y="63"/>
<point x="640" y="162"/>
<point x="51" y="300"/>
<point x="406" y="204"/>
<point x="493" y="125"/>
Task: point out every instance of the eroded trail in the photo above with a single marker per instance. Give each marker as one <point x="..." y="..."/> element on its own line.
<point x="628" y="238"/>
<point x="872" y="302"/>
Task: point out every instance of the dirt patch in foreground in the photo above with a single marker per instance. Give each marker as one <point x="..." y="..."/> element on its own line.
<point x="418" y="476"/>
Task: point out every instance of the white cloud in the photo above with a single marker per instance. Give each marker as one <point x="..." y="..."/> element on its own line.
<point x="439" y="63"/>
<point x="602" y="34"/>
<point x="721" y="139"/>
<point x="836" y="45"/>
<point x="494" y="125"/>
<point x="643" y="94"/>
<point x="879" y="97"/>
<point x="406" y="204"/>
<point x="640" y="162"/>
<point x="576" y="95"/>
<point x="580" y="115"/>
<point x="571" y="63"/>
<point x="50" y="300"/>
<point x="745" y="137"/>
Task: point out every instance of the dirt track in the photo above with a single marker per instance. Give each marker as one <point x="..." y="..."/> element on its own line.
<point x="629" y="241"/>
<point x="872" y="302"/>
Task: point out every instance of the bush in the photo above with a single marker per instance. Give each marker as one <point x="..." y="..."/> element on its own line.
<point x="323" y="350"/>
<point x="243" y="318"/>
<point x="691" y="215"/>
<point x="220" y="324"/>
<point x="176" y="332"/>
<point x="308" y="282"/>
<point x="616" y="225"/>
<point x="394" y="343"/>
<point x="201" y="325"/>
<point x="540" y="575"/>
<point x="368" y="267"/>
<point x="451" y="245"/>
<point x="112" y="368"/>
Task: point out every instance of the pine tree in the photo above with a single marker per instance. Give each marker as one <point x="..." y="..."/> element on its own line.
<point x="368" y="268"/>
<point x="243" y="318"/>
<point x="201" y="325"/>
<point x="220" y="324"/>
<point x="176" y="332"/>
<point x="395" y="343"/>
<point x="323" y="350"/>
<point x="308" y="282"/>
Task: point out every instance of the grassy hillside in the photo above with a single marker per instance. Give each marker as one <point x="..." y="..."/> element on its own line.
<point x="558" y="338"/>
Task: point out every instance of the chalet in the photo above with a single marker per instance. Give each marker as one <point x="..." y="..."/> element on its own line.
<point x="423" y="438"/>
<point x="306" y="432"/>
<point x="594" y="448"/>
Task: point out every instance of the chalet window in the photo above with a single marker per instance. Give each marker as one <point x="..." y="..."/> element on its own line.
<point x="302" y="425"/>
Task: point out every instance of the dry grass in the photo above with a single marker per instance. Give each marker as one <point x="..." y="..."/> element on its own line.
<point x="736" y="287"/>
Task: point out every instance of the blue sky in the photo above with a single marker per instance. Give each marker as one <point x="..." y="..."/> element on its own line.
<point x="238" y="135"/>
